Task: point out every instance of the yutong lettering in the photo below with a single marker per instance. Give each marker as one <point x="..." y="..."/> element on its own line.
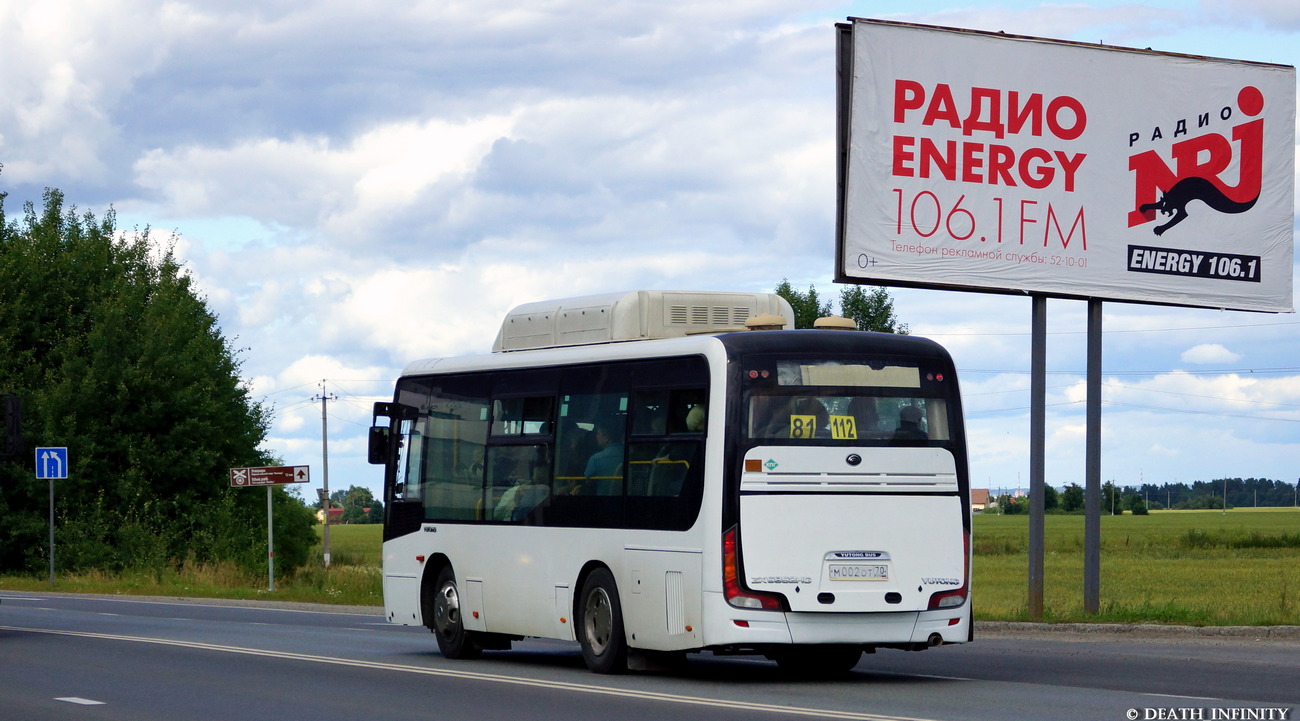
<point x="779" y="579"/>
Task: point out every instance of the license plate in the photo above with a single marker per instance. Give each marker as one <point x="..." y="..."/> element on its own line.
<point x="859" y="572"/>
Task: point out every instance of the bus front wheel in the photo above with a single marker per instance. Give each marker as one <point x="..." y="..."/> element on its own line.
<point x="445" y="619"/>
<point x="600" y="624"/>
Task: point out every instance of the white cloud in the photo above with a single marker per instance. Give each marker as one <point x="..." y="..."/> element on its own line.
<point x="359" y="186"/>
<point x="1206" y="353"/>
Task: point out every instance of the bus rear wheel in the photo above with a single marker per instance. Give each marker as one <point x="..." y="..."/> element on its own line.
<point x="445" y="619"/>
<point x="600" y="624"/>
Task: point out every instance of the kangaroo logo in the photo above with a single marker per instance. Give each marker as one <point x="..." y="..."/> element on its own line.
<point x="1199" y="163"/>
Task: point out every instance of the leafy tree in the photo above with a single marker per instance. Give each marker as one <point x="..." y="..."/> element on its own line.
<point x="1011" y="505"/>
<point x="1072" y="498"/>
<point x="808" y="307"/>
<point x="1051" y="498"/>
<point x="117" y="358"/>
<point x="358" y="504"/>
<point x="870" y="310"/>
<point x="1110" y="499"/>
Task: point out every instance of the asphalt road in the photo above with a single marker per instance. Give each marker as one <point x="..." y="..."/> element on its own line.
<point x="80" y="657"/>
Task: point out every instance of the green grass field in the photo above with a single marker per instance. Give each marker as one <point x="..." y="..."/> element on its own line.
<point x="1172" y="567"/>
<point x="1178" y="567"/>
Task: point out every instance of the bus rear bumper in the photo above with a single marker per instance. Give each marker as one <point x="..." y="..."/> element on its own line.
<point x="737" y="627"/>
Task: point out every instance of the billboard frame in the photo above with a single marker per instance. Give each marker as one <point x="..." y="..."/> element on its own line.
<point x="1001" y="285"/>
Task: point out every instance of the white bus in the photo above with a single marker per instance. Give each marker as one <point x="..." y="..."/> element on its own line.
<point x="640" y="474"/>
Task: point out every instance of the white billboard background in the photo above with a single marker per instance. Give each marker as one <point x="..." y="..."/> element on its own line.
<point x="984" y="162"/>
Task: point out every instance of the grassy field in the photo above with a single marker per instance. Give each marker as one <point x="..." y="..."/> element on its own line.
<point x="1178" y="567"/>
<point x="1174" y="567"/>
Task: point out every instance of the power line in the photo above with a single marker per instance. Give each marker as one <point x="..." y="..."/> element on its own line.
<point x="1112" y="332"/>
<point x="1198" y="372"/>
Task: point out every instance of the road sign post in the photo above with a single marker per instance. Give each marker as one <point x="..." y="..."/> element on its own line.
<point x="269" y="476"/>
<point x="51" y="465"/>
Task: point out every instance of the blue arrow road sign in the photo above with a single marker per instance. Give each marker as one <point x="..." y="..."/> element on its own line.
<point x="51" y="463"/>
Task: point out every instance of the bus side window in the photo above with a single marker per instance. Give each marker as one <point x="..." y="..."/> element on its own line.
<point x="455" y="431"/>
<point x="519" y="481"/>
<point x="589" y="453"/>
<point x="410" y="452"/>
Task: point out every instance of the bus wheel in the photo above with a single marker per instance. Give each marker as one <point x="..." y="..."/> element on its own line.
<point x="600" y="624"/>
<point x="445" y="622"/>
<point x="819" y="661"/>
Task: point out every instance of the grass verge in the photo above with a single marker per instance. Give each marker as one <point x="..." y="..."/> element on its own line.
<point x="354" y="577"/>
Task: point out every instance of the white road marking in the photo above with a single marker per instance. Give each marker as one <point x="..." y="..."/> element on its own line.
<point x="80" y="701"/>
<point x="491" y="678"/>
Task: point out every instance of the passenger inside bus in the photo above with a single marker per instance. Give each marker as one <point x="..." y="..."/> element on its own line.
<point x="526" y="472"/>
<point x="695" y="418"/>
<point x="605" y="467"/>
<point x="909" y="425"/>
<point x="866" y="418"/>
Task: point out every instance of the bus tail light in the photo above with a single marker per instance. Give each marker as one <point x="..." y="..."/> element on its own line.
<point x="957" y="596"/>
<point x="731" y="587"/>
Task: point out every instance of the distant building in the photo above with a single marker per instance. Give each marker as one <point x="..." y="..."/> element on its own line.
<point x="979" y="499"/>
<point x="336" y="516"/>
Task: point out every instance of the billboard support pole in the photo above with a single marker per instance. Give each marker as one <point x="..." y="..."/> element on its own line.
<point x="1092" y="466"/>
<point x="1037" y="452"/>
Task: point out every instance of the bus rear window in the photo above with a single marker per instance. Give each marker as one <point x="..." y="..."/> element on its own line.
<point x="846" y="401"/>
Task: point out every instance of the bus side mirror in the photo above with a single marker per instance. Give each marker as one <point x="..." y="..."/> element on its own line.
<point x="378" y="451"/>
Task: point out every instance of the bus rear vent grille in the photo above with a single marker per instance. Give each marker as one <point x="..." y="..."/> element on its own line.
<point x="715" y="315"/>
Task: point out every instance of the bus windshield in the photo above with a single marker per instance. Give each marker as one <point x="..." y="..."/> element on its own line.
<point x="846" y="400"/>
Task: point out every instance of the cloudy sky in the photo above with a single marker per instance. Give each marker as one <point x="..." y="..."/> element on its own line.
<point x="358" y="185"/>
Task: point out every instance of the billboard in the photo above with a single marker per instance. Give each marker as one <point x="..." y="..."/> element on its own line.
<point x="982" y="161"/>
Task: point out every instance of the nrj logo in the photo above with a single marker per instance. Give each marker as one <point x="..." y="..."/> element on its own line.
<point x="1199" y="164"/>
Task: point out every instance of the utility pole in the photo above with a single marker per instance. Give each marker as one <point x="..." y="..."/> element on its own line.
<point x="325" y="464"/>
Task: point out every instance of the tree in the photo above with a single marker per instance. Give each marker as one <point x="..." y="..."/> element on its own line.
<point x="808" y="307"/>
<point x="1110" y="499"/>
<point x="870" y="310"/>
<point x="1072" y="498"/>
<point x="116" y="357"/>
<point x="1051" y="498"/>
<point x="358" y="504"/>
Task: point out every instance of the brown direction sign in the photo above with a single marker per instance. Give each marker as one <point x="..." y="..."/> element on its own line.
<point x="268" y="476"/>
